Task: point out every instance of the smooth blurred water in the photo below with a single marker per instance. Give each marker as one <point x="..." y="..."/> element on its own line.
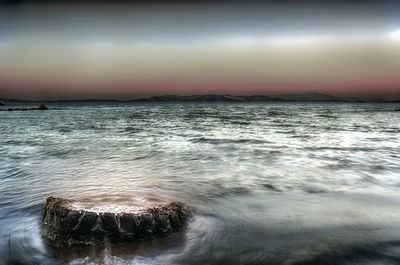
<point x="273" y="183"/>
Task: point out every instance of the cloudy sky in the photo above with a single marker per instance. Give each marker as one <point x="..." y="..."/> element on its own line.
<point x="108" y="49"/>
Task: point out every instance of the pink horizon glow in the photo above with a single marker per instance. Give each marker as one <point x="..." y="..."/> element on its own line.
<point x="52" y="89"/>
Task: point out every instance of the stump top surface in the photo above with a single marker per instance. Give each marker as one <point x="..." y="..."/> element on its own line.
<point x="108" y="205"/>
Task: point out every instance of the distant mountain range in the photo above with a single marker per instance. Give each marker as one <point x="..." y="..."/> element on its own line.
<point x="312" y="96"/>
<point x="301" y="97"/>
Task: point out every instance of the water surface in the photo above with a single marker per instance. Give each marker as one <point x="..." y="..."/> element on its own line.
<point x="272" y="183"/>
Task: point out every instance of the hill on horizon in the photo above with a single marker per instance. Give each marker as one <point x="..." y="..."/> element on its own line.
<point x="309" y="96"/>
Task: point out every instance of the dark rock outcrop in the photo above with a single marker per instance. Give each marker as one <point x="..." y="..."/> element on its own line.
<point x="41" y="107"/>
<point x="2" y="103"/>
<point x="65" y="223"/>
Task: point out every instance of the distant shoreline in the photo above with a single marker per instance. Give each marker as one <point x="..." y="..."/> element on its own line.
<point x="305" y="97"/>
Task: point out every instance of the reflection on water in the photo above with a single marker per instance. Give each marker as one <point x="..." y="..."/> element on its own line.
<point x="271" y="183"/>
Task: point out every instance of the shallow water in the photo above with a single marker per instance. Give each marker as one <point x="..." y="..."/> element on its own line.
<point x="273" y="183"/>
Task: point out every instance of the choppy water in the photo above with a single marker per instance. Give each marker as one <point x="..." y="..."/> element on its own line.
<point x="272" y="183"/>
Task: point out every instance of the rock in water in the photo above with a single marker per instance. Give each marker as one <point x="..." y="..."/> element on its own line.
<point x="64" y="222"/>
<point x="43" y="107"/>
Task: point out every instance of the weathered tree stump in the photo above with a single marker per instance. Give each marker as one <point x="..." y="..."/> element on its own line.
<point x="64" y="222"/>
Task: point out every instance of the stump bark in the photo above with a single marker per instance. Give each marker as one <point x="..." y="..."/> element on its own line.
<point x="64" y="222"/>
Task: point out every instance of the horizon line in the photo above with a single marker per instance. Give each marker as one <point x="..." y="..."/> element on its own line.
<point x="273" y="98"/>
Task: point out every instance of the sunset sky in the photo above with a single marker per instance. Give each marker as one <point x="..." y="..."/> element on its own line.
<point x="70" y="49"/>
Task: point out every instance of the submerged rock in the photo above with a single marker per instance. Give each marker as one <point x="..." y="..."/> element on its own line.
<point x="271" y="187"/>
<point x="66" y="223"/>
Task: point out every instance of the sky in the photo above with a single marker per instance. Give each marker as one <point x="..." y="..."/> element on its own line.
<point x="133" y="49"/>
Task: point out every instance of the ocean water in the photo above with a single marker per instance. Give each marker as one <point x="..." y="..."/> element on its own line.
<point x="271" y="183"/>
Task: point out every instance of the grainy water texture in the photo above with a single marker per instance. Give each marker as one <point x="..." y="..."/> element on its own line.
<point x="272" y="183"/>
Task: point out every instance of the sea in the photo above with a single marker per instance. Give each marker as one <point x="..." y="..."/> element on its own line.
<point x="270" y="183"/>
